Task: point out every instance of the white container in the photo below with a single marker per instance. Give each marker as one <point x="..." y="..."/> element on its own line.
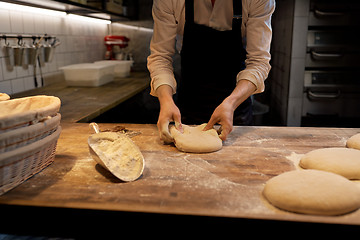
<point x="88" y="74"/>
<point x="121" y="67"/>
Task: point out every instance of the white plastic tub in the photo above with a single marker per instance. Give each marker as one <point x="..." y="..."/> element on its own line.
<point x="88" y="74"/>
<point x="121" y="67"/>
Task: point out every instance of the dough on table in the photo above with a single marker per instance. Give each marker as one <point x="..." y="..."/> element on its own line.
<point x="4" y="97"/>
<point x="342" y="161"/>
<point x="195" y="140"/>
<point x="313" y="192"/>
<point x="354" y="142"/>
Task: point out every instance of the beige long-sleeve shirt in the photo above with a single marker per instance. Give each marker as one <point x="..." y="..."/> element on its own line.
<point x="169" y="20"/>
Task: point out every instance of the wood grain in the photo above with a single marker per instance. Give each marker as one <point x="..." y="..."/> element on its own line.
<point x="227" y="183"/>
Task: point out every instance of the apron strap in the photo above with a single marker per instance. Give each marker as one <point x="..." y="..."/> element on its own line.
<point x="237" y="17"/>
<point x="237" y="9"/>
<point x="189" y="11"/>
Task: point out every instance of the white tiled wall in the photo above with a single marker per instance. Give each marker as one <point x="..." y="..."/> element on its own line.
<point x="139" y="44"/>
<point x="80" y="42"/>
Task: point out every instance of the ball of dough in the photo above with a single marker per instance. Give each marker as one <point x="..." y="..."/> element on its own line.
<point x="354" y="142"/>
<point x="313" y="192"/>
<point x="342" y="161"/>
<point x="4" y="97"/>
<point x="195" y="140"/>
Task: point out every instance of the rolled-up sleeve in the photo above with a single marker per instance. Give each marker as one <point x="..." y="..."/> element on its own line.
<point x="258" y="34"/>
<point x="162" y="46"/>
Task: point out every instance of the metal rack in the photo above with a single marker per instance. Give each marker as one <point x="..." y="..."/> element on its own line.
<point x="17" y="52"/>
<point x="26" y="36"/>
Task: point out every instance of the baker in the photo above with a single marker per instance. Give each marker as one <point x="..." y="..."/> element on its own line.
<point x="225" y="58"/>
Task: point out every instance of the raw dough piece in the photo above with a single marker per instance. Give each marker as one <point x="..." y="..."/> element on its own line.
<point x="342" y="161"/>
<point x="117" y="153"/>
<point x="313" y="192"/>
<point x="4" y="97"/>
<point x="195" y="140"/>
<point x="354" y="142"/>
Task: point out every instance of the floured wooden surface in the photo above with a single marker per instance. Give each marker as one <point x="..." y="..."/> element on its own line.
<point x="226" y="183"/>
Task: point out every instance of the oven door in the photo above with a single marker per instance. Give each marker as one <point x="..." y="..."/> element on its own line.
<point x="332" y="48"/>
<point x="333" y="40"/>
<point x="334" y="13"/>
<point x="346" y="80"/>
<point x="331" y="93"/>
<point x="331" y="102"/>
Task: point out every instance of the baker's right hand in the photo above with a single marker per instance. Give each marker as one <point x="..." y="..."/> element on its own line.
<point x="169" y="112"/>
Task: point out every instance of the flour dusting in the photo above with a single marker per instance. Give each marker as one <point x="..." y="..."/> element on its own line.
<point x="295" y="159"/>
<point x="260" y="141"/>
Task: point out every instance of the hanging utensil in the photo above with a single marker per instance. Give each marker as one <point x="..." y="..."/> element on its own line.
<point x="9" y="57"/>
<point x="50" y="50"/>
<point x="32" y="54"/>
<point x="35" y="80"/>
<point x="37" y="46"/>
<point x="18" y="55"/>
<point x="18" y="52"/>
<point x="41" y="75"/>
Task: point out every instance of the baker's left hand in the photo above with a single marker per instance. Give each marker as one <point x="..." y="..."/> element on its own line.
<point x="222" y="115"/>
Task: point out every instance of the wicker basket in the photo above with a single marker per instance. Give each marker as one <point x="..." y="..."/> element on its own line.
<point x="20" y="164"/>
<point x="20" y="137"/>
<point x="26" y="111"/>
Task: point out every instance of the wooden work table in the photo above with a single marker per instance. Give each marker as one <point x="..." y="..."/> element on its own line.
<point x="222" y="187"/>
<point x="81" y="104"/>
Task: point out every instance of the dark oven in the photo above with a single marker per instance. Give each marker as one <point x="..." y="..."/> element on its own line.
<point x="332" y="65"/>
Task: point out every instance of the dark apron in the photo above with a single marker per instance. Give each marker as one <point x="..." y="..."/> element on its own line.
<point x="210" y="62"/>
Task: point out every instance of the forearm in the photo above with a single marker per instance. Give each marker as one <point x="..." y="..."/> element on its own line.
<point x="164" y="94"/>
<point x="242" y="91"/>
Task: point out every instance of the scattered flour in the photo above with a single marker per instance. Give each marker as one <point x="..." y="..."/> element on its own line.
<point x="295" y="159"/>
<point x="259" y="141"/>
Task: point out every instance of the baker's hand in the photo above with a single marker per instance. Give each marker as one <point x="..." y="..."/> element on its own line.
<point x="169" y="112"/>
<point x="223" y="115"/>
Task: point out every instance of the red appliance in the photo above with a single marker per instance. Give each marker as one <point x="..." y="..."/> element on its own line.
<point x="111" y="41"/>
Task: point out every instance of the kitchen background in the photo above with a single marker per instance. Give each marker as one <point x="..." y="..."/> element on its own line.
<point x="314" y="79"/>
<point x="81" y="42"/>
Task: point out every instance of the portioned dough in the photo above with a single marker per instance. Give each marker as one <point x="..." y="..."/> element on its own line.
<point x="313" y="192"/>
<point x="4" y="97"/>
<point x="354" y="142"/>
<point x="342" y="161"/>
<point x="117" y="153"/>
<point x="195" y="140"/>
